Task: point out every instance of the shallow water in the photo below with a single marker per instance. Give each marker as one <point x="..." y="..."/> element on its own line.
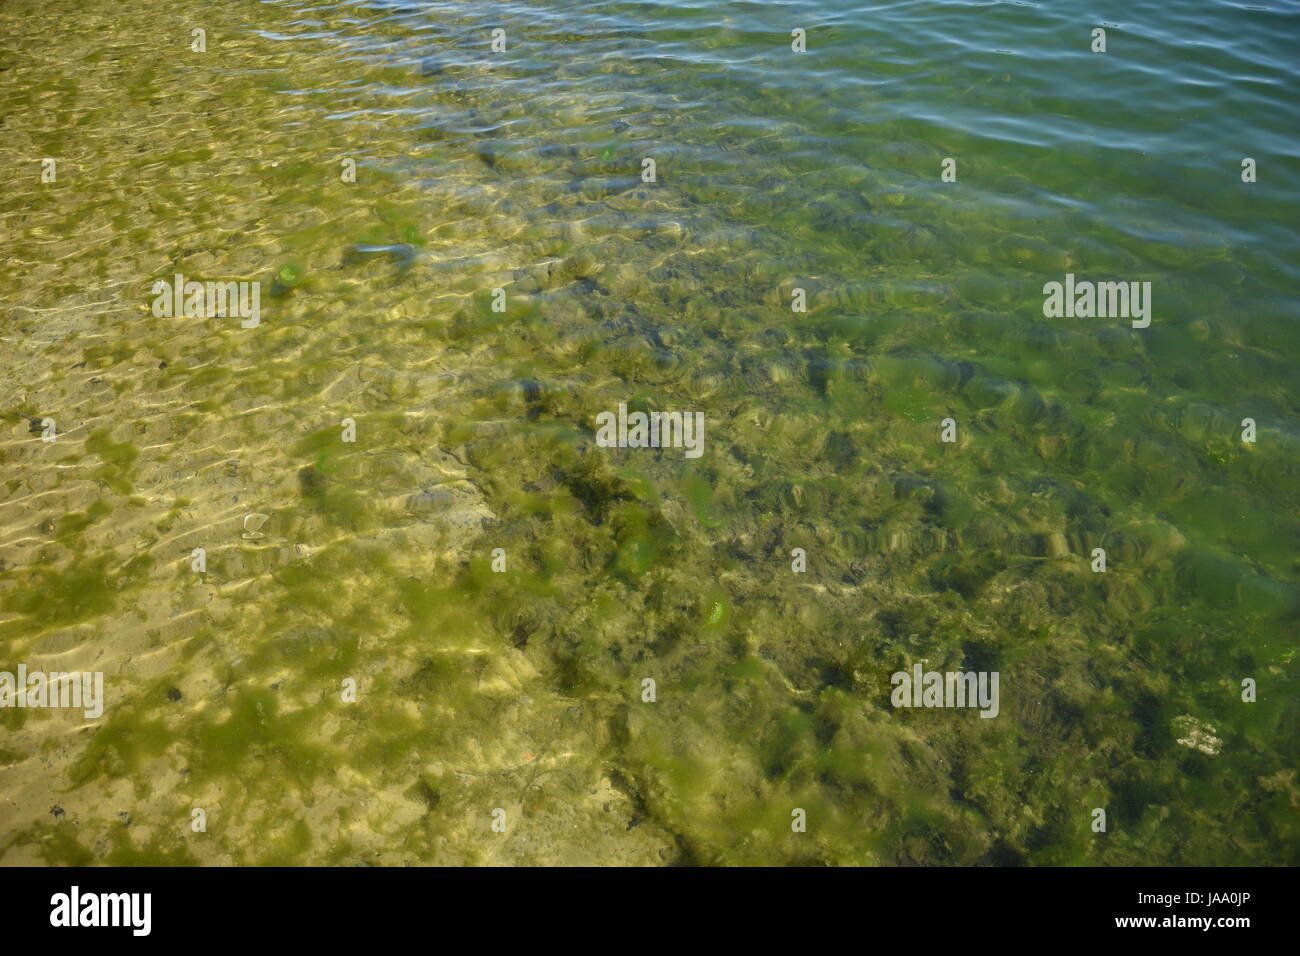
<point x="522" y="690"/>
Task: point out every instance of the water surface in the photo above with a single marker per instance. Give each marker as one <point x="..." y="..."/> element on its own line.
<point x="521" y="690"/>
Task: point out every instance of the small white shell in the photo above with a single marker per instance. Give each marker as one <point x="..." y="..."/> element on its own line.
<point x="252" y="524"/>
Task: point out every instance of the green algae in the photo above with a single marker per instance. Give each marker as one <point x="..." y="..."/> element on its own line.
<point x="522" y="688"/>
<point x="117" y="457"/>
<point x="121" y="749"/>
<point x="51" y="598"/>
<point x="255" y="740"/>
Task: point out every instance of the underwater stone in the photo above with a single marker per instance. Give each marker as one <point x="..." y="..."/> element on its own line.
<point x="1117" y="343"/>
<point x="434" y="499"/>
<point x="583" y="265"/>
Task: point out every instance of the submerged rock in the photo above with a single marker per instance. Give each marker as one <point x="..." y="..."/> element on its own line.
<point x="456" y="508"/>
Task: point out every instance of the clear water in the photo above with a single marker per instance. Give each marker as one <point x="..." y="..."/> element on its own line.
<point x="521" y="690"/>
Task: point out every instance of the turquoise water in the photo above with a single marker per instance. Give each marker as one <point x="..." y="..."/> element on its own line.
<point x="513" y="679"/>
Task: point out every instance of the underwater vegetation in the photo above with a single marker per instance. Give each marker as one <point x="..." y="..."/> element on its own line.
<point x="427" y="592"/>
